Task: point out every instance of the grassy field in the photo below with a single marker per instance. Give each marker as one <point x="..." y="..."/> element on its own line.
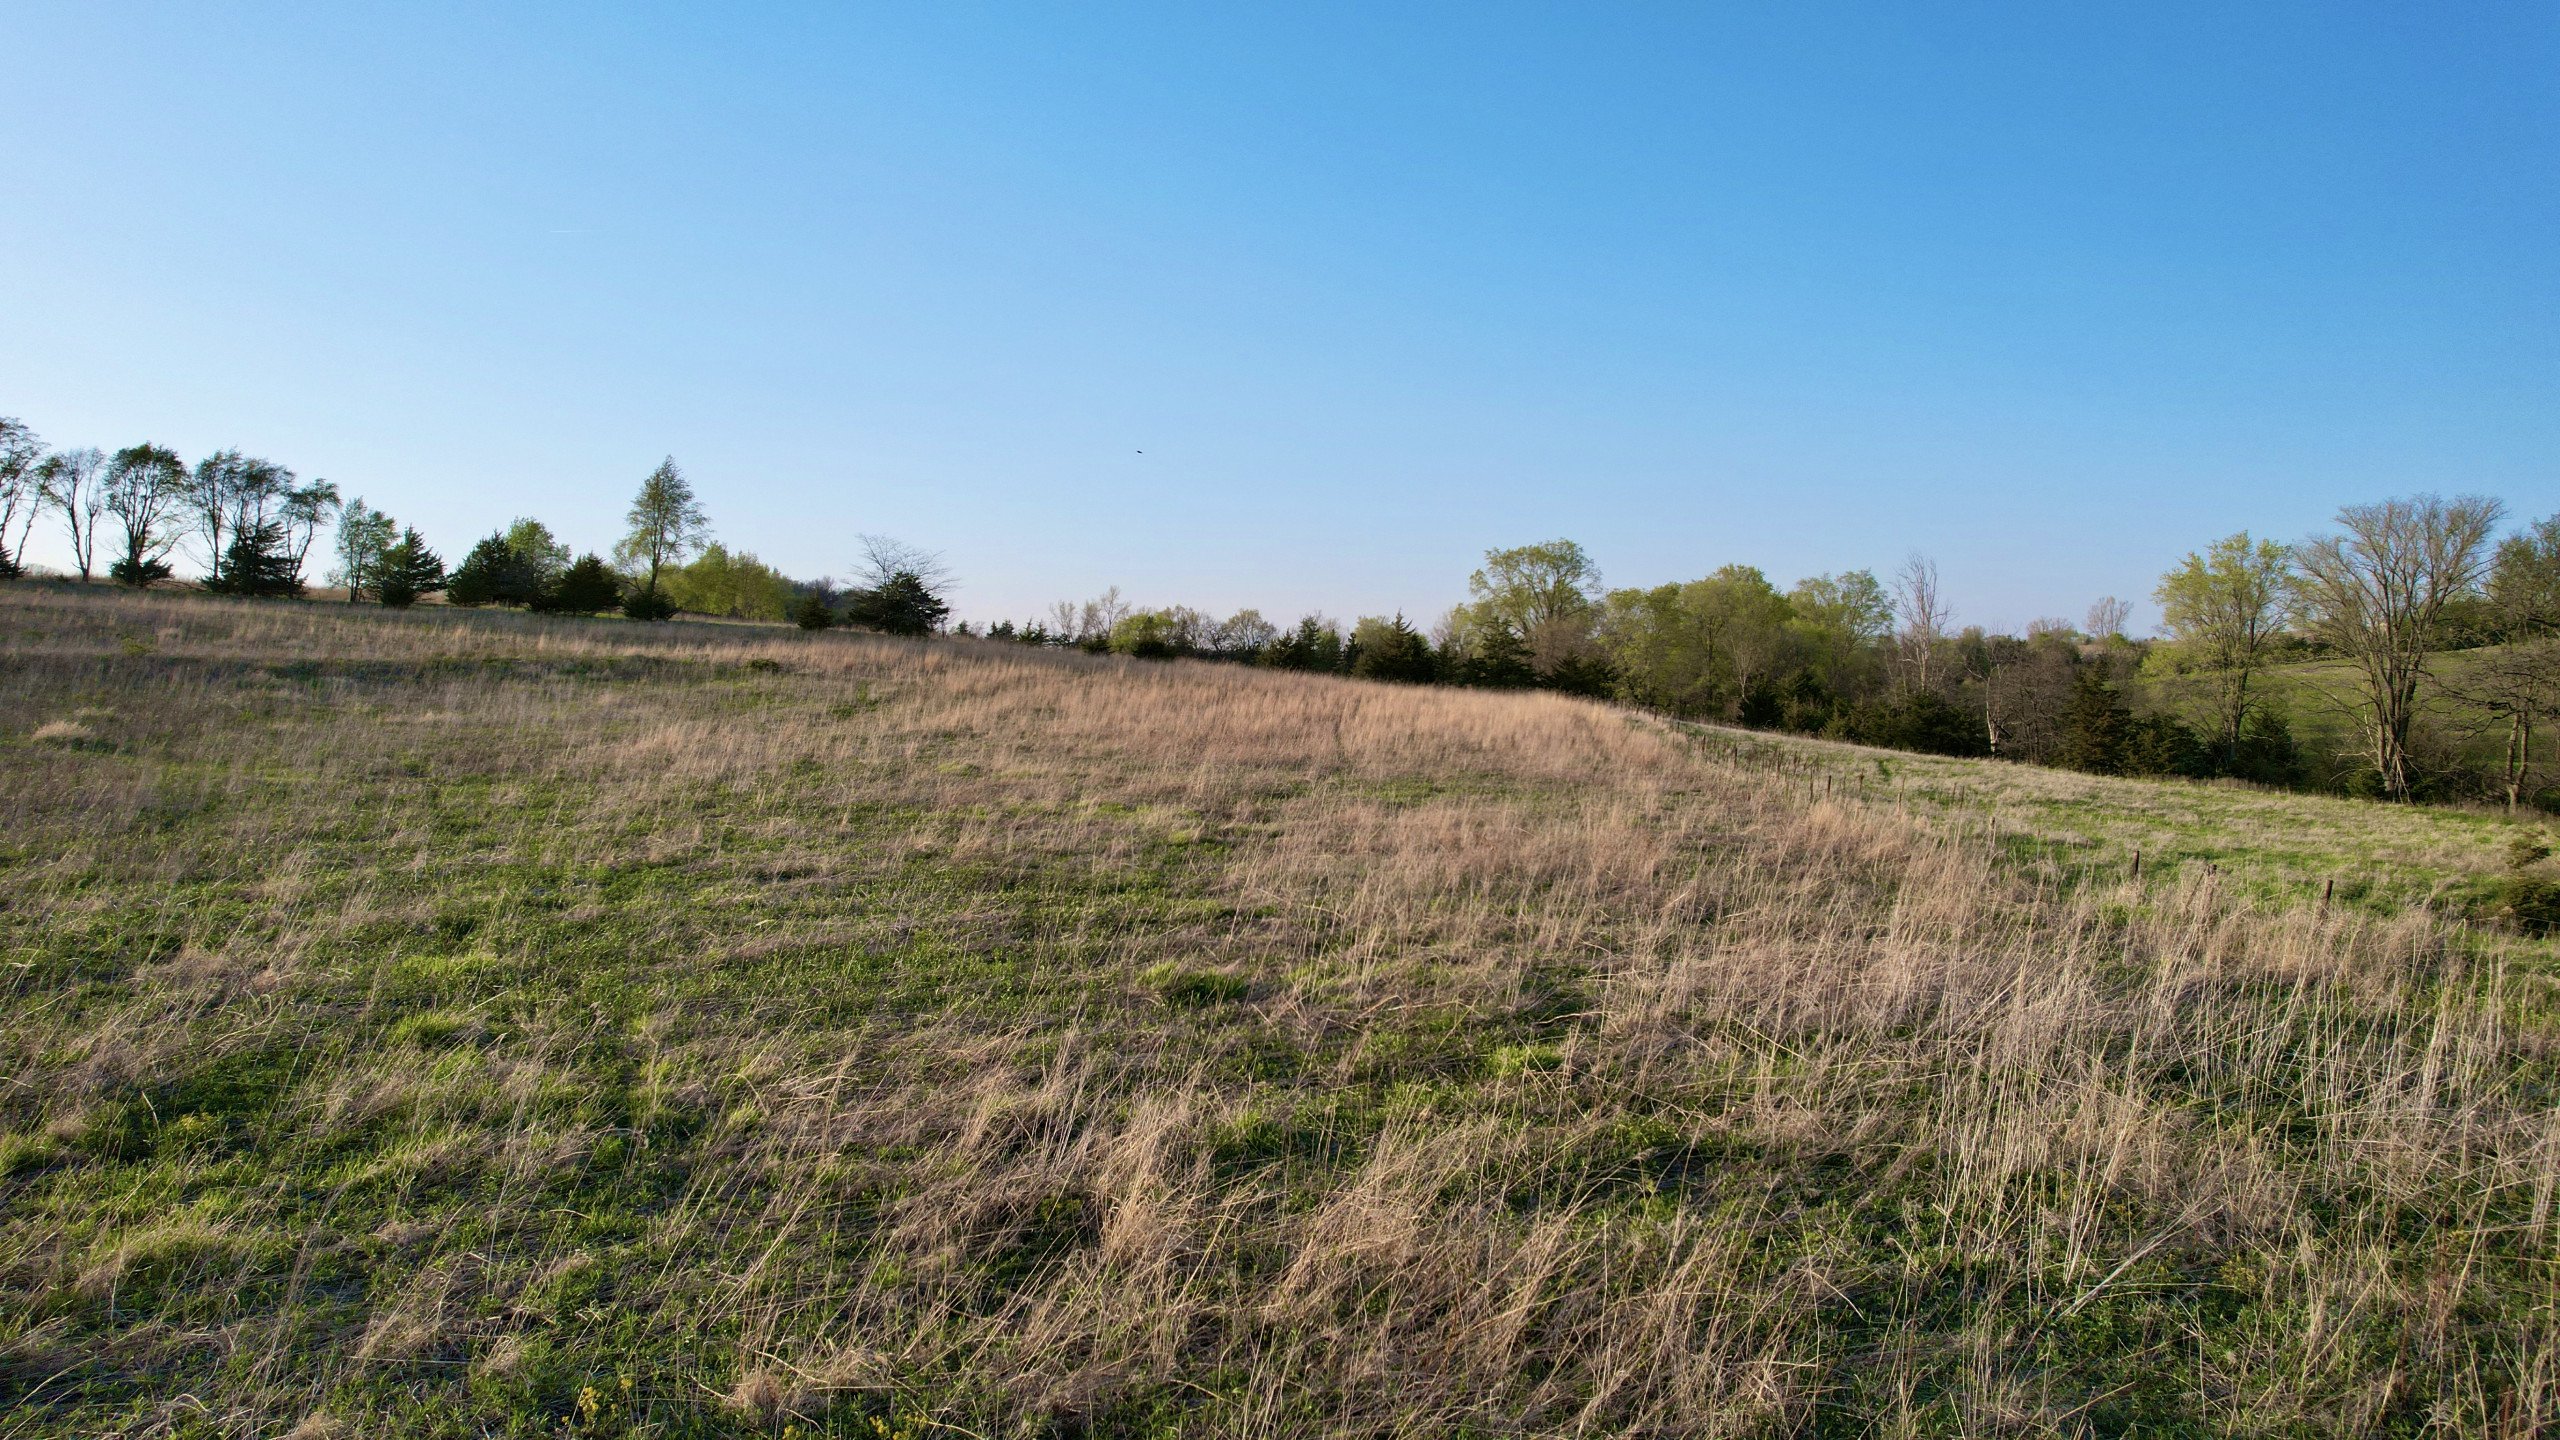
<point x="470" y="1024"/>
<point x="2279" y="848"/>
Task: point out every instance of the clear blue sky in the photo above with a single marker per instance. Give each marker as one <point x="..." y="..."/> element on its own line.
<point x="2052" y="292"/>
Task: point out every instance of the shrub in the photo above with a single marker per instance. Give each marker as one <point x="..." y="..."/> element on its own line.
<point x="644" y="603"/>
<point x="141" y="576"/>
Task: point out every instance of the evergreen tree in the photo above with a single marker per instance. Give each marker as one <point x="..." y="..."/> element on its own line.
<point x="588" y="587"/>
<point x="1393" y="650"/>
<point x="1499" y="660"/>
<point x="2095" y="725"/>
<point x="813" y="612"/>
<point x="408" y="571"/>
<point x="257" y="563"/>
<point x="899" y="605"/>
<point x="496" y="572"/>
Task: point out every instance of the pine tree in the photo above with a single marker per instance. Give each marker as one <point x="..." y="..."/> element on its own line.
<point x="408" y="571"/>
<point x="257" y="563"/>
<point x="900" y="605"/>
<point x="585" y="588"/>
<point x="813" y="612"/>
<point x="2095" y="726"/>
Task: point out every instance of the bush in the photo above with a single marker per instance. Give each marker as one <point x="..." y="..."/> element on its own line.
<point x="2530" y="904"/>
<point x="648" y="604"/>
<point x="140" y="577"/>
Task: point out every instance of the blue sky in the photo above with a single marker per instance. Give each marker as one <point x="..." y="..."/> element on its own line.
<point x="2052" y="293"/>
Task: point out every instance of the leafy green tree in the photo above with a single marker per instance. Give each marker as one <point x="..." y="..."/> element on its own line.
<point x="1242" y="636"/>
<point x="900" y="605"/>
<point x="409" y="572"/>
<point x="1547" y="594"/>
<point x="1839" y="623"/>
<point x="2223" y="610"/>
<point x="540" y="551"/>
<point x="1700" y="647"/>
<point x="145" y="487"/>
<point x="365" y="535"/>
<point x="1147" y="635"/>
<point x="667" y="527"/>
<point x="588" y="587"/>
<point x="1532" y="585"/>
<point x="736" y="585"/>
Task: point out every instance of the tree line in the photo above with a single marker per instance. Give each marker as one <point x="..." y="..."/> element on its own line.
<point x="253" y="524"/>
<point x="2393" y="587"/>
<point x="2388" y="590"/>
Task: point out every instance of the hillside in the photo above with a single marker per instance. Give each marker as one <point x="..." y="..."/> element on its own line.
<point x="455" y="1023"/>
<point x="2319" y="701"/>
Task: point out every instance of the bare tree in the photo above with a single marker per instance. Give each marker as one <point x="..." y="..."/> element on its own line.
<point x="21" y="490"/>
<point x="883" y="557"/>
<point x="234" y="497"/>
<point x="2107" y="618"/>
<point x="2376" y="592"/>
<point x="304" y="511"/>
<point x="145" y="491"/>
<point x="1102" y="614"/>
<point x="1923" y="614"/>
<point x="74" y="486"/>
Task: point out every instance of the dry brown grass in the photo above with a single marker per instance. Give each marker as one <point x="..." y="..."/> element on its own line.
<point x="435" y="1021"/>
